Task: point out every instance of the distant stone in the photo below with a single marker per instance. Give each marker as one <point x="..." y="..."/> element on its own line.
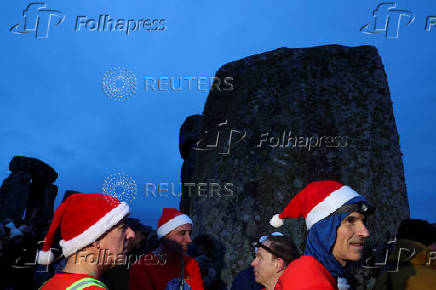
<point x="14" y="195"/>
<point x="68" y="193"/>
<point x="36" y="167"/>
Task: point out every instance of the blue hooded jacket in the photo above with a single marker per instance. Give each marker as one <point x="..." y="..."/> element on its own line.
<point x="322" y="237"/>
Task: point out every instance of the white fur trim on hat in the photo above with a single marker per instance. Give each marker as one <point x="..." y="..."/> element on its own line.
<point x="276" y="221"/>
<point x="335" y="200"/>
<point x="95" y="231"/>
<point x="170" y="225"/>
<point x="45" y="258"/>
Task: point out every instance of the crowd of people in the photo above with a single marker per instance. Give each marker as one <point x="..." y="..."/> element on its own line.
<point x="101" y="247"/>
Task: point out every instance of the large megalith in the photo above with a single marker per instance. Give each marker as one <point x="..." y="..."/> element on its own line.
<point x="295" y="116"/>
<point x="29" y="190"/>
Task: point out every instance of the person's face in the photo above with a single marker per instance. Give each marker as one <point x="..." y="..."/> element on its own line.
<point x="432" y="247"/>
<point x="136" y="243"/>
<point x="266" y="268"/>
<point x="179" y="238"/>
<point x="350" y="237"/>
<point x="115" y="241"/>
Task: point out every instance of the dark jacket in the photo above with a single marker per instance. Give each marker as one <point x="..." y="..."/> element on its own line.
<point x="409" y="268"/>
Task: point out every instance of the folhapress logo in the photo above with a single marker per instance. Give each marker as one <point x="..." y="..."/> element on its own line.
<point x="107" y="23"/>
<point x="37" y="20"/>
<point x="388" y="20"/>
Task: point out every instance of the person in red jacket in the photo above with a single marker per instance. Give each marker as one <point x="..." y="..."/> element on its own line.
<point x="94" y="238"/>
<point x="335" y="218"/>
<point x="164" y="267"/>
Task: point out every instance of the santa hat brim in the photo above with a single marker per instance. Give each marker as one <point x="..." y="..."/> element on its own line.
<point x="45" y="258"/>
<point x="172" y="224"/>
<point x="95" y="231"/>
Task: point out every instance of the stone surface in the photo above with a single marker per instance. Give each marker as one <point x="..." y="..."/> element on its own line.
<point x="334" y="101"/>
<point x="28" y="189"/>
<point x="36" y="167"/>
<point x="68" y="193"/>
<point x="14" y="195"/>
<point x="190" y="133"/>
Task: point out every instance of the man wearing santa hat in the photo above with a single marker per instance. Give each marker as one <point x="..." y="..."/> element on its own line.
<point x="335" y="218"/>
<point x="94" y="238"/>
<point x="168" y="267"/>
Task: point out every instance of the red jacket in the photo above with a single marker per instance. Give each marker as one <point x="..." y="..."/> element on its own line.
<point x="65" y="280"/>
<point x="306" y="273"/>
<point x="154" y="271"/>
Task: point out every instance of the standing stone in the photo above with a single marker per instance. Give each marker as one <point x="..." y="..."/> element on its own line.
<point x="36" y="167"/>
<point x="68" y="193"/>
<point x="190" y="133"/>
<point x="14" y="195"/>
<point x="297" y="116"/>
<point x="28" y="188"/>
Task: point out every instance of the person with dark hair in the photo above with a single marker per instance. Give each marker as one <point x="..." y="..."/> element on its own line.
<point x="203" y="250"/>
<point x="412" y="263"/>
<point x="272" y="257"/>
<point x="117" y="278"/>
<point x="335" y="218"/>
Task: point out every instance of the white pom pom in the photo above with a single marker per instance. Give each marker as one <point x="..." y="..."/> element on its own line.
<point x="45" y="258"/>
<point x="276" y="221"/>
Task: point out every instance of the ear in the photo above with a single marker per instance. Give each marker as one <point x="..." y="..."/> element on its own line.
<point x="279" y="264"/>
<point x="96" y="244"/>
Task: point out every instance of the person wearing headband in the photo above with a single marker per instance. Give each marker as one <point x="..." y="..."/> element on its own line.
<point x="273" y="255"/>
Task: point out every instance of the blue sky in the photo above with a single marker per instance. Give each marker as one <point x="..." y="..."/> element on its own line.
<point x="53" y="107"/>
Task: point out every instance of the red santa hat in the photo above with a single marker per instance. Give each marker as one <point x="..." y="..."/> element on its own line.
<point x="171" y="218"/>
<point x="315" y="202"/>
<point x="82" y="218"/>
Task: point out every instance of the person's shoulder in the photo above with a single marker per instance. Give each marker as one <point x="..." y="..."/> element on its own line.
<point x="190" y="261"/>
<point x="305" y="262"/>
<point x="64" y="280"/>
<point x="306" y="271"/>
